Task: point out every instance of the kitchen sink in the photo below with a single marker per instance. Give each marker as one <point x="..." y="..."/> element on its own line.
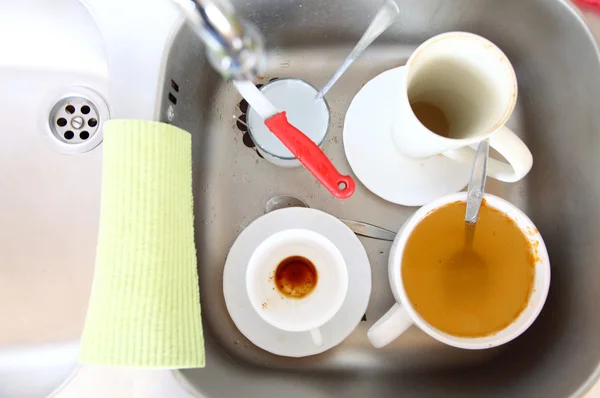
<point x="558" y="116"/>
<point x="50" y="200"/>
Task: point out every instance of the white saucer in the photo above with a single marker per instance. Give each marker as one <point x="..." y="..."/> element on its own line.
<point x="293" y="344"/>
<point x="376" y="161"/>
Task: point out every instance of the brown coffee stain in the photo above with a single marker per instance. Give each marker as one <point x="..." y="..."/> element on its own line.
<point x="463" y="293"/>
<point x="535" y="253"/>
<point x="296" y="277"/>
<point x="431" y="117"/>
<point x="531" y="231"/>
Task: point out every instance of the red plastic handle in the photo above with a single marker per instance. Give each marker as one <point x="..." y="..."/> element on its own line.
<point x="593" y="5"/>
<point x="311" y="156"/>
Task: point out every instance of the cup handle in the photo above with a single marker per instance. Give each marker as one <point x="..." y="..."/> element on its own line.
<point x="390" y="326"/>
<point x="317" y="337"/>
<point x="508" y="145"/>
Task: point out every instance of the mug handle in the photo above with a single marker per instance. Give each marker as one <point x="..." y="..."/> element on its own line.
<point x="508" y="145"/>
<point x="317" y="337"/>
<point x="390" y="326"/>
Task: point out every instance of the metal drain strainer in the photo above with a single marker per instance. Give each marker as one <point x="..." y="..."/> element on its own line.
<point x="74" y="120"/>
<point x="74" y="117"/>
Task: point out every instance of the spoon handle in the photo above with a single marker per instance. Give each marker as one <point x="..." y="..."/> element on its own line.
<point x="369" y="230"/>
<point x="477" y="181"/>
<point x="383" y="19"/>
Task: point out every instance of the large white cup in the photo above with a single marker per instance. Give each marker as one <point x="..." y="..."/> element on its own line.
<point x="305" y="314"/>
<point x="402" y="315"/>
<point x="474" y="84"/>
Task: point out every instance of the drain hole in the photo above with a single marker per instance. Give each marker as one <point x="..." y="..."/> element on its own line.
<point x="243" y="105"/>
<point x="62" y="122"/>
<point x="84" y="135"/>
<point x="174" y="86"/>
<point x="85" y="109"/>
<point x="92" y="122"/>
<point x="173" y="99"/>
<point x="247" y="140"/>
<point x="241" y="123"/>
<point x="70" y="109"/>
<point x="69" y="135"/>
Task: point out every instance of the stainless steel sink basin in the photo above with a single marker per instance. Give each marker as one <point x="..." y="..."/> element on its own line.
<point x="49" y="201"/>
<point x="558" y="116"/>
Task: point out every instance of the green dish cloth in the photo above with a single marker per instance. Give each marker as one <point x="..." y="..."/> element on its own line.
<point x="144" y="309"/>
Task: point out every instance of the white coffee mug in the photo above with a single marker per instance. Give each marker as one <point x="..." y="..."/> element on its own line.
<point x="305" y="314"/>
<point x="402" y="315"/>
<point x="473" y="83"/>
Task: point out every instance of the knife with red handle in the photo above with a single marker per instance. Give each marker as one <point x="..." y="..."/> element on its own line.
<point x="302" y="147"/>
<point x="311" y="156"/>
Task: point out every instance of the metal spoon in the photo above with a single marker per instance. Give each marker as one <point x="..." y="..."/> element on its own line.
<point x="477" y="182"/>
<point x="465" y="261"/>
<point x="359" y="228"/>
<point x="476" y="190"/>
<point x="383" y="19"/>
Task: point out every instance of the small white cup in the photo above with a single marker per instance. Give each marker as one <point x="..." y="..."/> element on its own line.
<point x="305" y="314"/>
<point x="474" y="84"/>
<point x="402" y="315"/>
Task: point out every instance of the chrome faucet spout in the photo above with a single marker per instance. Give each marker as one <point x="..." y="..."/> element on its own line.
<point x="234" y="47"/>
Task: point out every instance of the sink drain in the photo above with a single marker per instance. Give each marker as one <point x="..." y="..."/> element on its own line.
<point x="74" y="120"/>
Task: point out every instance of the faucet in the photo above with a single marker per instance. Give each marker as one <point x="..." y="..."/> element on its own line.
<point x="234" y="47"/>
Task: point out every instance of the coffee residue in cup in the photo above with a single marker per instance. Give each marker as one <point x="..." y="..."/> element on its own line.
<point x="468" y="291"/>
<point x="296" y="277"/>
<point x="431" y="117"/>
